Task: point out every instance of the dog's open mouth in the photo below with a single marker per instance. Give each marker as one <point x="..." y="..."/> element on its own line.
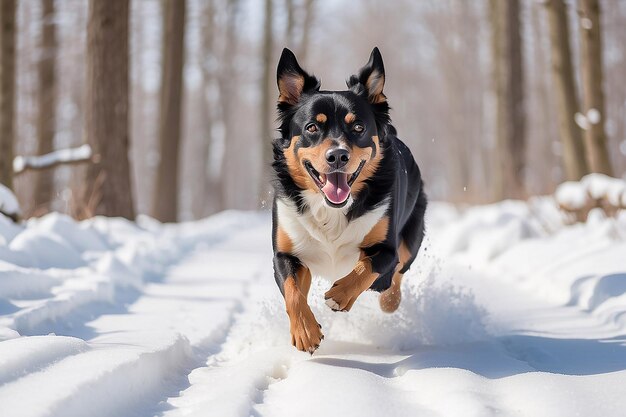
<point x="334" y="185"/>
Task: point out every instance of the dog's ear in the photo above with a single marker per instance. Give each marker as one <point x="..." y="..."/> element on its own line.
<point x="371" y="78"/>
<point x="292" y="79"/>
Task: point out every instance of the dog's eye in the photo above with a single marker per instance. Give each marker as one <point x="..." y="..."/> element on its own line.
<point x="358" y="128"/>
<point x="311" y="128"/>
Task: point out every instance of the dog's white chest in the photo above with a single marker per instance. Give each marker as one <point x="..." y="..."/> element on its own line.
<point x="323" y="239"/>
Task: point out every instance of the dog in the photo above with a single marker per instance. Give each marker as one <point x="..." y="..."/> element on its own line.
<point x="349" y="202"/>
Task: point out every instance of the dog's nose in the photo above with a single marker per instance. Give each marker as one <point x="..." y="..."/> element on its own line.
<point x="337" y="157"/>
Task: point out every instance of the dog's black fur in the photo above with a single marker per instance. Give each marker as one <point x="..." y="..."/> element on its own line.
<point x="393" y="178"/>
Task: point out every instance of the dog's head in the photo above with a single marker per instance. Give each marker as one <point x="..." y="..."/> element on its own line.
<point x="331" y="141"/>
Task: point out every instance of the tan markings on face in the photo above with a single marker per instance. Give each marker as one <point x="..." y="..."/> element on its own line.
<point x="377" y="234"/>
<point x="283" y="241"/>
<point x="350" y="117"/>
<point x="296" y="170"/>
<point x="290" y="87"/>
<point x="345" y="291"/>
<point x="295" y="163"/>
<point x="321" y="118"/>
<point x="316" y="155"/>
<point x="370" y="167"/>
<point x="306" y="333"/>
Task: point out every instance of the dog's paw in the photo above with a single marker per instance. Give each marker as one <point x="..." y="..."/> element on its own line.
<point x="306" y="332"/>
<point x="342" y="295"/>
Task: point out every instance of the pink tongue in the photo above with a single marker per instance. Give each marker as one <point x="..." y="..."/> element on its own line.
<point x="336" y="188"/>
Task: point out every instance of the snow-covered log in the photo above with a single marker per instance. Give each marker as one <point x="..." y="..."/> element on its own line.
<point x="8" y="203"/>
<point x="77" y="155"/>
<point x="578" y="198"/>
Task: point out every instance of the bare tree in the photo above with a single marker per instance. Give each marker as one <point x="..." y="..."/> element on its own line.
<point x="206" y="196"/>
<point x="46" y="120"/>
<point x="565" y="91"/>
<point x="307" y="23"/>
<point x="614" y="38"/>
<point x="165" y="202"/>
<point x="266" y="88"/>
<point x="508" y="78"/>
<point x="227" y="85"/>
<point x="542" y="125"/>
<point x="7" y="90"/>
<point x="108" y="187"/>
<point x="291" y="21"/>
<point x="593" y="95"/>
<point x="299" y="21"/>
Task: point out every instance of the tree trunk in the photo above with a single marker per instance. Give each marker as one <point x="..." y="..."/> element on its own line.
<point x="508" y="77"/>
<point x="204" y="199"/>
<point x="227" y="78"/>
<point x="46" y="119"/>
<point x="544" y="128"/>
<point x="593" y="95"/>
<point x="307" y="23"/>
<point x="108" y="186"/>
<point x="291" y="21"/>
<point x="266" y="88"/>
<point x="7" y="90"/>
<point x="165" y="202"/>
<point x="565" y="91"/>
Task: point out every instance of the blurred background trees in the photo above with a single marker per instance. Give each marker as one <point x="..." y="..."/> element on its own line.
<point x="496" y="98"/>
<point x="107" y="184"/>
<point x="165" y="200"/>
<point x="46" y="103"/>
<point x="7" y="91"/>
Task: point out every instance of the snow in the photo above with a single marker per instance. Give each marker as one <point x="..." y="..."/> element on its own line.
<point x="581" y="121"/>
<point x="585" y="121"/>
<point x="8" y="203"/>
<point x="507" y="311"/>
<point x="572" y="195"/>
<point x="586" y="23"/>
<point x="593" y="116"/>
<point x="593" y="191"/>
<point x="60" y="156"/>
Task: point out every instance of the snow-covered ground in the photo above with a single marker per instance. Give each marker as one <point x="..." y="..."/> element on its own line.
<point x="507" y="312"/>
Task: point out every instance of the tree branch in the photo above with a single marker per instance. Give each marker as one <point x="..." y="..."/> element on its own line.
<point x="68" y="156"/>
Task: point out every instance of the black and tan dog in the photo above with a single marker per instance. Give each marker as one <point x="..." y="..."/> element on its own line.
<point x="349" y="202"/>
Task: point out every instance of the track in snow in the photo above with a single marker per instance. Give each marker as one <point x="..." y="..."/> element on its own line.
<point x="540" y="334"/>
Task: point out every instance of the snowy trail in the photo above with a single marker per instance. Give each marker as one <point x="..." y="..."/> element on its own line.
<point x="139" y="353"/>
<point x="497" y="319"/>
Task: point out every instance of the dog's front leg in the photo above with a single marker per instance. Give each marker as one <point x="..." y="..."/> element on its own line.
<point x="294" y="280"/>
<point x="374" y="261"/>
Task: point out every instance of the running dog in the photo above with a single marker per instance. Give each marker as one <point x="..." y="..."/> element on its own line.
<point x="349" y="202"/>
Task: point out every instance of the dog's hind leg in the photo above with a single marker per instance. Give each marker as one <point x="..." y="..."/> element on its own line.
<point x="390" y="298"/>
